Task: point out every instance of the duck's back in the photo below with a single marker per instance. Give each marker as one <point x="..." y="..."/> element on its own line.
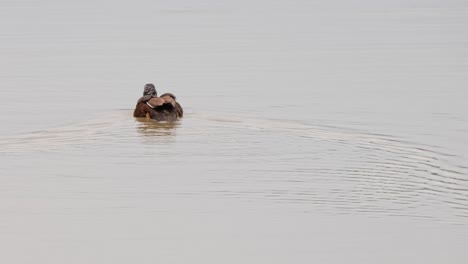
<point x="163" y="108"/>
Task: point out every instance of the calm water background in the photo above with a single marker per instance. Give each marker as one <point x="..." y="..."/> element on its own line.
<point x="316" y="132"/>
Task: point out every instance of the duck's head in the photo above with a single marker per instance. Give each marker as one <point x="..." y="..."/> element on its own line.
<point x="150" y="90"/>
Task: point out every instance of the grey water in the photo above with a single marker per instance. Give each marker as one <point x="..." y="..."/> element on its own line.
<point x="315" y="132"/>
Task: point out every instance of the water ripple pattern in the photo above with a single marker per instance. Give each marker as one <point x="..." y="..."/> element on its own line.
<point x="325" y="169"/>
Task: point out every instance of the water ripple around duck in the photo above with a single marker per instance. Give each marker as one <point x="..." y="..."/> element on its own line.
<point x="329" y="169"/>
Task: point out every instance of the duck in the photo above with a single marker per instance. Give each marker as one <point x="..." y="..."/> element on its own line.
<point x="162" y="108"/>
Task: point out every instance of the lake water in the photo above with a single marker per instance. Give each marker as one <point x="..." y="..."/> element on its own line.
<point x="315" y="132"/>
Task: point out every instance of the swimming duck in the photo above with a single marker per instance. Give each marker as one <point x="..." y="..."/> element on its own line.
<point x="163" y="108"/>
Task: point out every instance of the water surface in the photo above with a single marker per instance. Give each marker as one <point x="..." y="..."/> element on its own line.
<point x="315" y="132"/>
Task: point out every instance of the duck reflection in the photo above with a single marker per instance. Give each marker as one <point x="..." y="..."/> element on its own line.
<point x="150" y="128"/>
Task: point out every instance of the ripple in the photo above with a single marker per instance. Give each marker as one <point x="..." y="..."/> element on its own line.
<point x="377" y="173"/>
<point x="331" y="169"/>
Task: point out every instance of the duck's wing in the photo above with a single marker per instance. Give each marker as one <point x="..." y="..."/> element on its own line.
<point x="167" y="104"/>
<point x="172" y="99"/>
<point x="168" y="100"/>
<point x="179" y="110"/>
<point x="155" y="102"/>
<point x="141" y="109"/>
<point x="169" y="94"/>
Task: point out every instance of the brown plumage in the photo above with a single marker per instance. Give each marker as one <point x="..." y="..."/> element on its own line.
<point x="163" y="108"/>
<point x="172" y="99"/>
